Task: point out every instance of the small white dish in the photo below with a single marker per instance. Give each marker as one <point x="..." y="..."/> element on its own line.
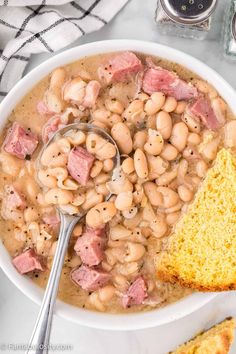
<point x="133" y="321"/>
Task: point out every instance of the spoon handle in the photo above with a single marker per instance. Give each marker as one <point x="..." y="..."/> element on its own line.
<point x="39" y="342"/>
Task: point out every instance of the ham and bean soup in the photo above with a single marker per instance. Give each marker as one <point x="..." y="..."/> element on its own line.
<point x="168" y="125"/>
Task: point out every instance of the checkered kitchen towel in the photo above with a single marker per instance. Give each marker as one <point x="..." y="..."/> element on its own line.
<point x="34" y="26"/>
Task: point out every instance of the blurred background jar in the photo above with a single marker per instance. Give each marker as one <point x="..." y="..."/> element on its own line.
<point x="185" y="18"/>
<point x="230" y="31"/>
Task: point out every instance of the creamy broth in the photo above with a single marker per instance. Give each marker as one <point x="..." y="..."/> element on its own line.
<point x="23" y="175"/>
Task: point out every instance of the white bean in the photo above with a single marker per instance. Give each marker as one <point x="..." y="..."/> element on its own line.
<point x="101" y="214"/>
<point x="164" y="124"/>
<point x="151" y="122"/>
<point x="119" y="183"/>
<point x="134" y="111"/>
<point x="96" y="169"/>
<point x="133" y="177"/>
<point x="153" y="195"/>
<point x="180" y="108"/>
<point x="58" y="196"/>
<point x="102" y="189"/>
<point x="101" y="178"/>
<point x="11" y="165"/>
<point x="69" y="209"/>
<point x="169" y="152"/>
<point x="170" y="197"/>
<point x="108" y="165"/>
<point x="113" y="119"/>
<point x="120" y="282"/>
<point x="174" y="208"/>
<point x="179" y="136"/>
<point x="157" y="166"/>
<point x="124" y="201"/>
<point x="194" y="139"/>
<point x="210" y="150"/>
<point x="121" y="134"/>
<point x="74" y="261"/>
<point x="32" y="189"/>
<point x="140" y="164"/>
<point x="52" y="157"/>
<point x="78" y="199"/>
<point x="63" y="145"/>
<point x="158" y="226"/>
<point x="155" y="142"/>
<point x="106" y="293"/>
<point x="182" y="171"/>
<point x="101" y="115"/>
<point x="128" y="165"/>
<point x="99" y="124"/>
<point x="77" y="231"/>
<point x="138" y="194"/>
<point x="133" y="222"/>
<point x="95" y="301"/>
<point x="100" y="147"/>
<point x="192" y="123"/>
<point x="114" y="106"/>
<point x="76" y="137"/>
<point x="92" y="198"/>
<point x="201" y="168"/>
<point x="172" y="218"/>
<point x="128" y="269"/>
<point x="167" y="177"/>
<point x="230" y="133"/>
<point x="119" y="232"/>
<point x="68" y="184"/>
<point x="170" y="104"/>
<point x="140" y="139"/>
<point x="31" y="214"/>
<point x="154" y="104"/>
<point x="130" y="213"/>
<point x="205" y="88"/>
<point x="185" y="194"/>
<point x="135" y="251"/>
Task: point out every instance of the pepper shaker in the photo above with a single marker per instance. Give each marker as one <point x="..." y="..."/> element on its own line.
<point x="230" y="31"/>
<point x="185" y="18"/>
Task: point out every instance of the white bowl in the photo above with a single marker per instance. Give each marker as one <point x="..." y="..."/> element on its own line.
<point x="83" y="317"/>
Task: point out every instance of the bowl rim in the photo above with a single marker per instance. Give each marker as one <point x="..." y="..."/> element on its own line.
<point x="131" y="321"/>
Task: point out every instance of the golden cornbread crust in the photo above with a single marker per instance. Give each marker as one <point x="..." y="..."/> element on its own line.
<point x="201" y="252"/>
<point x="216" y="340"/>
<point x="191" y="285"/>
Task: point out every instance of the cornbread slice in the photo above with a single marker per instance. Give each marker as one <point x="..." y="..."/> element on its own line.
<point x="216" y="340"/>
<point x="201" y="254"/>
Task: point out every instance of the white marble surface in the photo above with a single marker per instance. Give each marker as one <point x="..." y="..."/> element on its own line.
<point x="17" y="313"/>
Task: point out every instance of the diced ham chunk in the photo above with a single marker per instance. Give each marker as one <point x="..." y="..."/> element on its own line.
<point x="43" y="109"/>
<point x="51" y="127"/>
<point x="136" y="293"/>
<point x="91" y="93"/>
<point x="13" y="204"/>
<point x="99" y="231"/>
<point x="14" y="200"/>
<point x="52" y="220"/>
<point x="79" y="164"/>
<point x="90" y="247"/>
<point x="120" y="67"/>
<point x="202" y="108"/>
<point x="90" y="279"/>
<point x="27" y="262"/>
<point x="20" y="142"/>
<point x="159" y="79"/>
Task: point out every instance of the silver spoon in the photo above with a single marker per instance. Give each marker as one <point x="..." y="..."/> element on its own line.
<point x="39" y="342"/>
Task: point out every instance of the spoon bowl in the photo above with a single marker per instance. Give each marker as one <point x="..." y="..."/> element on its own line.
<point x="87" y="128"/>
